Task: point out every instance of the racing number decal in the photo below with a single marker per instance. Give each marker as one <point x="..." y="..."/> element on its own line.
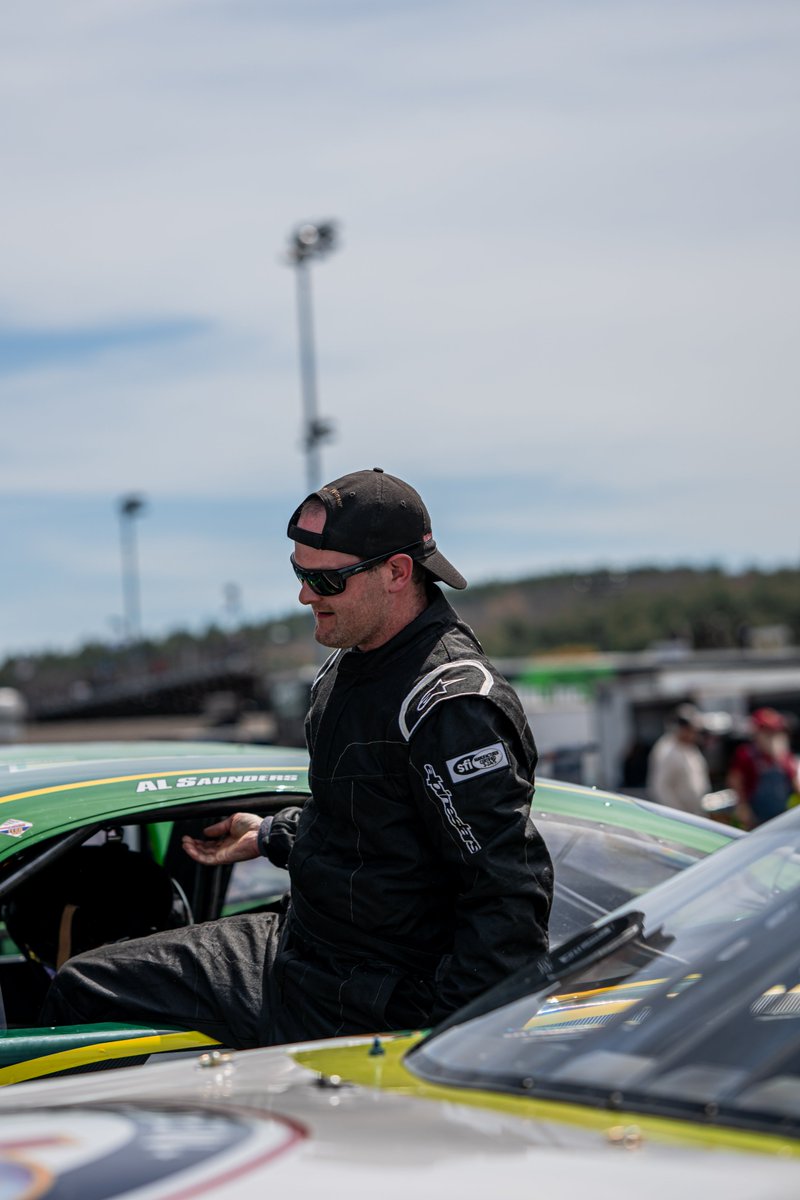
<point x="107" y="1150"/>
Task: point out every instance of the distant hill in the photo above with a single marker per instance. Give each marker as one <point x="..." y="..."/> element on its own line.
<point x="632" y="610"/>
<point x="705" y="608"/>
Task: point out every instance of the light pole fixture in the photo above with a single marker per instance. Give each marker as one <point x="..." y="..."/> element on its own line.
<point x="309" y="241"/>
<point x="129" y="509"/>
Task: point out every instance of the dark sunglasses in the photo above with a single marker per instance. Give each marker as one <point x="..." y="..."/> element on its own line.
<point x="333" y="581"/>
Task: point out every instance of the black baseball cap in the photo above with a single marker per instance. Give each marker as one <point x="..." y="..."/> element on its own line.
<point x="370" y="513"/>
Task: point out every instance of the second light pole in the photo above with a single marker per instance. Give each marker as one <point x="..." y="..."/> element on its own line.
<point x="129" y="508"/>
<point x="307" y="242"/>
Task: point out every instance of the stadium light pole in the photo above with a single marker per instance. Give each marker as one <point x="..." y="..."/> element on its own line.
<point x="307" y="242"/>
<point x="129" y="509"/>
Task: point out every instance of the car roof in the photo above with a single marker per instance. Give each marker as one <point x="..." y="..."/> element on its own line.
<point x="48" y="790"/>
<point x="615" y="811"/>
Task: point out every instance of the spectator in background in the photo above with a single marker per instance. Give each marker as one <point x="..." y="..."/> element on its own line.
<point x="763" y="771"/>
<point x="677" y="772"/>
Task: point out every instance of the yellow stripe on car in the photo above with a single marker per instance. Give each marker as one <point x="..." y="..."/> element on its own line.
<point x="359" y="1063"/>
<point x="187" y="771"/>
<point x="83" y="1056"/>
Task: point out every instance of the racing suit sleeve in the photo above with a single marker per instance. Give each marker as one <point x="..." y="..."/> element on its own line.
<point x="282" y="833"/>
<point x="472" y="778"/>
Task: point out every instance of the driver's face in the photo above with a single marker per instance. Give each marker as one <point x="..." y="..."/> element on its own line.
<point x="358" y="616"/>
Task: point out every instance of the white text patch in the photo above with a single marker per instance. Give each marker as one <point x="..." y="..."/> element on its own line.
<point x="477" y="762"/>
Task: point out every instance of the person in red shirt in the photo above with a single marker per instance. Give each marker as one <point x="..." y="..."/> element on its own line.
<point x="763" y="771"/>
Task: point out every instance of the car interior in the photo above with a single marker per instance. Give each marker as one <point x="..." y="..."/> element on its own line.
<point x="109" y="884"/>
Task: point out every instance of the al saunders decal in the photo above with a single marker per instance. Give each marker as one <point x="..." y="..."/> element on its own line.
<point x="191" y="781"/>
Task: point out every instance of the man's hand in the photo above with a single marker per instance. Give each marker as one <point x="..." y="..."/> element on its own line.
<point x="232" y="840"/>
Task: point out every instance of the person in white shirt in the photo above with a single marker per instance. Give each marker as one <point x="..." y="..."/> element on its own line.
<point x="677" y="772"/>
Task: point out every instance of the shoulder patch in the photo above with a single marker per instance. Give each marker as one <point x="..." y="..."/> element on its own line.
<point x="467" y="678"/>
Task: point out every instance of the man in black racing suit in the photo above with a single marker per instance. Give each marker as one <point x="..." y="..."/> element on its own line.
<point x="417" y="877"/>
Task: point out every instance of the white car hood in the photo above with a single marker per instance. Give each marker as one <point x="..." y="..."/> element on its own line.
<point x="258" y="1124"/>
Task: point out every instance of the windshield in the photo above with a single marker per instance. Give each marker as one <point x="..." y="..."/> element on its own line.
<point x="600" y="867"/>
<point x="686" y="1002"/>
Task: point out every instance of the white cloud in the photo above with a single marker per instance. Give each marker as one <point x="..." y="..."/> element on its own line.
<point x="570" y="245"/>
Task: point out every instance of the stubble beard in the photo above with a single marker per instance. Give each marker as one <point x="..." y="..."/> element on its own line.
<point x="335" y="638"/>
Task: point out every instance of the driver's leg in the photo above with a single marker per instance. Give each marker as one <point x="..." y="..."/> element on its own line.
<point x="208" y="977"/>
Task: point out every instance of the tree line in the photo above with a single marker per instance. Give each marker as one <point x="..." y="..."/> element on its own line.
<point x="704" y="608"/>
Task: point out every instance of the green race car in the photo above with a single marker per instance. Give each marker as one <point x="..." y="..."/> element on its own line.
<point x="90" y="853"/>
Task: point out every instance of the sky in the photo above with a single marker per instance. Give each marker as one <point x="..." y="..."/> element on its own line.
<point x="563" y="301"/>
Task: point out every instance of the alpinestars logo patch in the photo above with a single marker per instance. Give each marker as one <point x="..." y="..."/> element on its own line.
<point x="445" y="797"/>
<point x="466" y="677"/>
<point x="438" y="689"/>
<point x="477" y="762"/>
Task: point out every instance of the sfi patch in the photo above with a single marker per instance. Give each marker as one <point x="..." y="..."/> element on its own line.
<point x="477" y="762"/>
<point x="467" y="678"/>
